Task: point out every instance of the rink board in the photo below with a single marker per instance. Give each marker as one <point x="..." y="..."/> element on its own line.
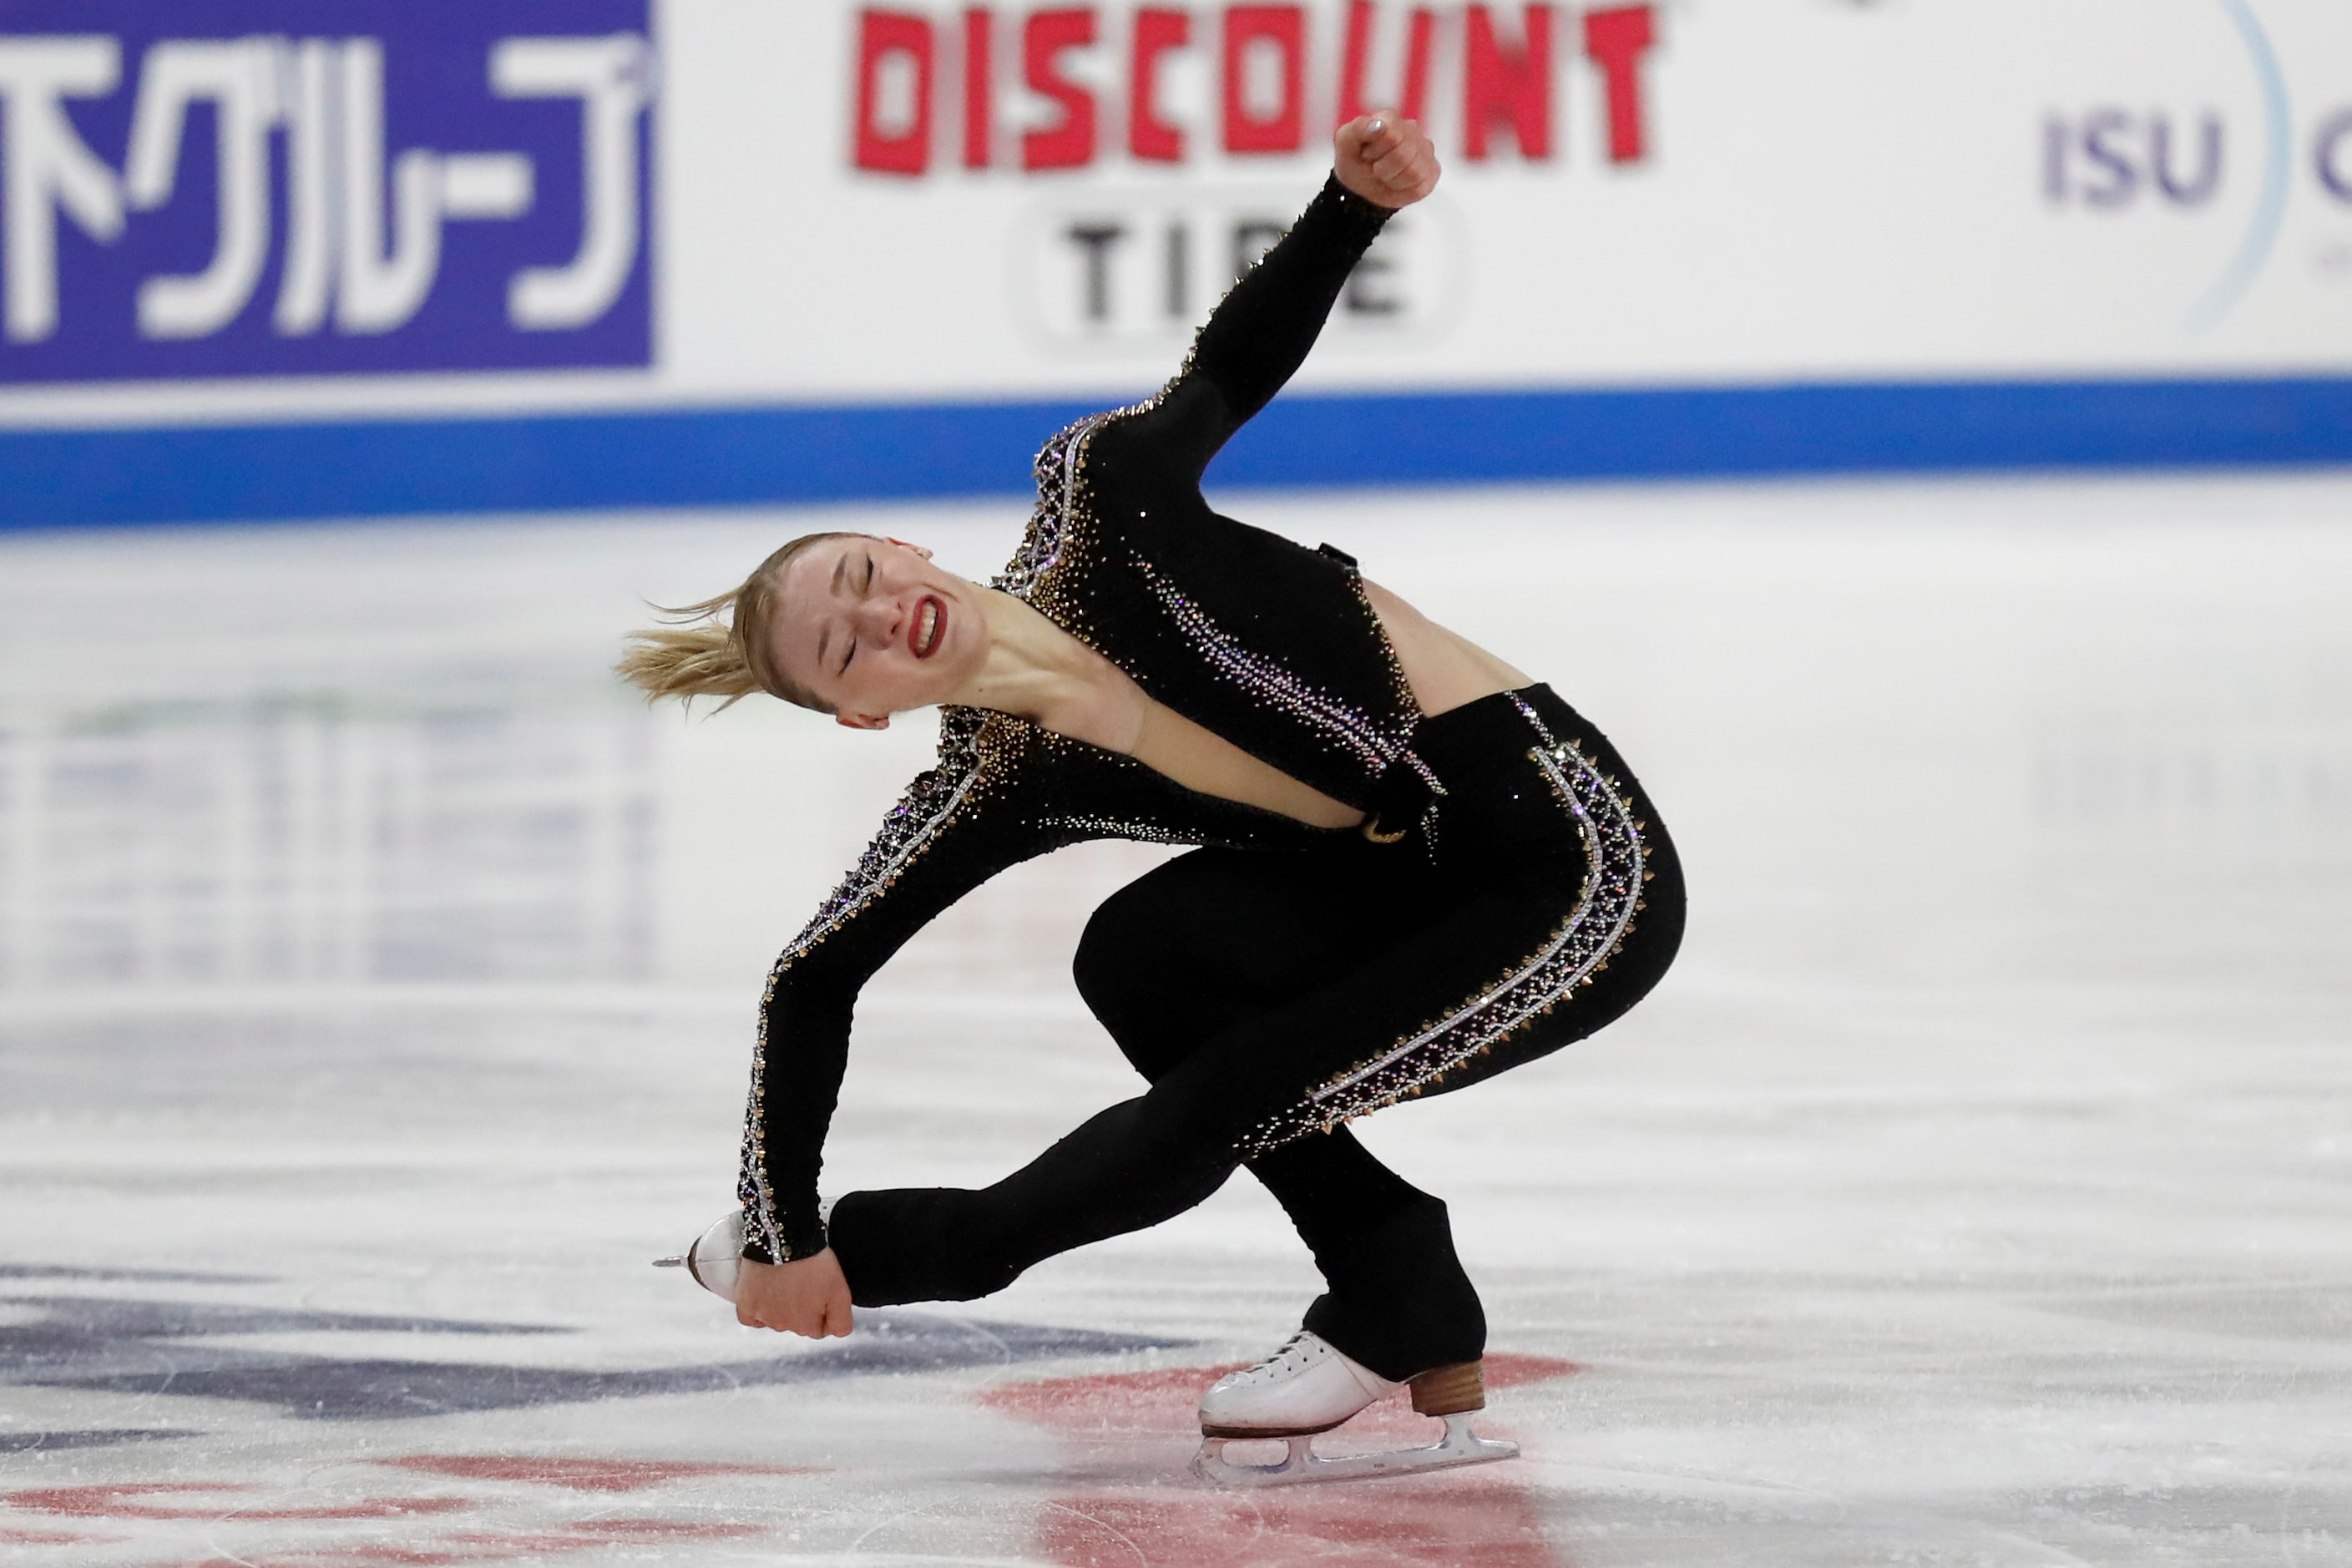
<point x="748" y="457"/>
<point x="273" y="259"/>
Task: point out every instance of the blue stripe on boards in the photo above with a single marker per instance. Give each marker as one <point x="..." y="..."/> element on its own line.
<point x="536" y="463"/>
<point x="784" y="454"/>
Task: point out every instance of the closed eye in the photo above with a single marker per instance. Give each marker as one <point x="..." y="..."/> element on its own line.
<point x="862" y="588"/>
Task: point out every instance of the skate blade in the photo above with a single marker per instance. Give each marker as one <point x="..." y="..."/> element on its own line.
<point x="1460" y="1445"/>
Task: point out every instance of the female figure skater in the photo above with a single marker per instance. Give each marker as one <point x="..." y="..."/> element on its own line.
<point x="1419" y="868"/>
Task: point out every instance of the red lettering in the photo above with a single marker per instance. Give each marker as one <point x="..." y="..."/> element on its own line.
<point x="1285" y="128"/>
<point x="1149" y="136"/>
<point x="1507" y="81"/>
<point x="1070" y="144"/>
<point x="1421" y="28"/>
<point x="979" y="78"/>
<point x="880" y="35"/>
<point x="1422" y="32"/>
<point x="1357" y="54"/>
<point x="1502" y="86"/>
<point x="1617" y="39"/>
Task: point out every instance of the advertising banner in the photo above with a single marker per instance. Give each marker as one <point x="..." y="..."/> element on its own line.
<point x="253" y="187"/>
<point x="280" y="256"/>
<point x="981" y="198"/>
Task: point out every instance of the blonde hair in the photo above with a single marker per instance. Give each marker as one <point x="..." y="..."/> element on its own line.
<point x="700" y="655"/>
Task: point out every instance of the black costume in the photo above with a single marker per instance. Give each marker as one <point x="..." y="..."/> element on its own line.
<point x="1510" y="891"/>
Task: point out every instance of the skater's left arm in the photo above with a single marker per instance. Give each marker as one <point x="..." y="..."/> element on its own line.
<point x="1260" y="334"/>
<point x="1256" y="340"/>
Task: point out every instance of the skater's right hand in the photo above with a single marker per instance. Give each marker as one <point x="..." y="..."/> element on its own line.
<point x="807" y="1296"/>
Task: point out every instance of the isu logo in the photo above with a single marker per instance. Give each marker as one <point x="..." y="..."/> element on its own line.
<point x="1236" y="80"/>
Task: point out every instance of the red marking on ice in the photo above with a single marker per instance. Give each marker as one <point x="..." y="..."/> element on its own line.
<point x="491" y="1546"/>
<point x="1167" y="1398"/>
<point x="106" y="1502"/>
<point x="1441" y="1522"/>
<point x="1504" y="1369"/>
<point x="1477" y="1518"/>
<point x="581" y="1475"/>
<point x="1160" y="1399"/>
<point x="13" y="1537"/>
<point x="483" y="1546"/>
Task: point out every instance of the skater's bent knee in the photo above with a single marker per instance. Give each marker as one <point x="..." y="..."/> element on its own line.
<point x="1122" y="942"/>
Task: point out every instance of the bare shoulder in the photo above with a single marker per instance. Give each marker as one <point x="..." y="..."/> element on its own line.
<point x="1392" y="609"/>
<point x="1445" y="669"/>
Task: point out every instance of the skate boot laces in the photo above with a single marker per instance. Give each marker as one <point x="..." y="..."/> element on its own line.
<point x="1292" y="1358"/>
<point x="1308" y="1385"/>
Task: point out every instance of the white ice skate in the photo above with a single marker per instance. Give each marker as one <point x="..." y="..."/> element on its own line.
<point x="716" y="1259"/>
<point x="1309" y="1386"/>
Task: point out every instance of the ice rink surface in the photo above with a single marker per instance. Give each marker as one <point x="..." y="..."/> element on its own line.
<point x="377" y="982"/>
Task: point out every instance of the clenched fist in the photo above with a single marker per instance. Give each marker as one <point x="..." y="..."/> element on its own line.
<point x="807" y="1296"/>
<point x="1384" y="158"/>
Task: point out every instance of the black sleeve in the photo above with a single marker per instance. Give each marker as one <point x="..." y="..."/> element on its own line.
<point x="946" y="837"/>
<point x="1258" y="338"/>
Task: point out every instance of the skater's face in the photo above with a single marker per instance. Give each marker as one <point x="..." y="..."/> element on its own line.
<point x="870" y="627"/>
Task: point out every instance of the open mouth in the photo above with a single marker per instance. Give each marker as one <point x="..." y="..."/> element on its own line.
<point x="930" y="625"/>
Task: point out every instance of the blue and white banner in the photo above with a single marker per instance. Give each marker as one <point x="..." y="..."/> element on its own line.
<point x="299" y="257"/>
<point x="268" y="187"/>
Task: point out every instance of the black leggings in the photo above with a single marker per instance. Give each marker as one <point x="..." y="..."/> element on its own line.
<point x="1526" y="895"/>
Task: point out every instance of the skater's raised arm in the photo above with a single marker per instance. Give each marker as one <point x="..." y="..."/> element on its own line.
<point x="1260" y="335"/>
<point x="1258" y="338"/>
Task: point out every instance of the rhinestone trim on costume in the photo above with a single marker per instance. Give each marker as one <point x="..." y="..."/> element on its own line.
<point x="1594" y="932"/>
<point x="1085" y="826"/>
<point x="1400" y="689"/>
<point x="1430" y="814"/>
<point x="1375" y="744"/>
<point x="929" y="803"/>
<point x="1058" y="487"/>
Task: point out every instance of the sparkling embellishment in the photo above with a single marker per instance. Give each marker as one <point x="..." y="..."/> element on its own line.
<point x="1430" y="815"/>
<point x="1594" y="929"/>
<point x="929" y="804"/>
<point x="1375" y="742"/>
<point x="1059" y="487"/>
<point x="1400" y="694"/>
<point x="1082" y="826"/>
